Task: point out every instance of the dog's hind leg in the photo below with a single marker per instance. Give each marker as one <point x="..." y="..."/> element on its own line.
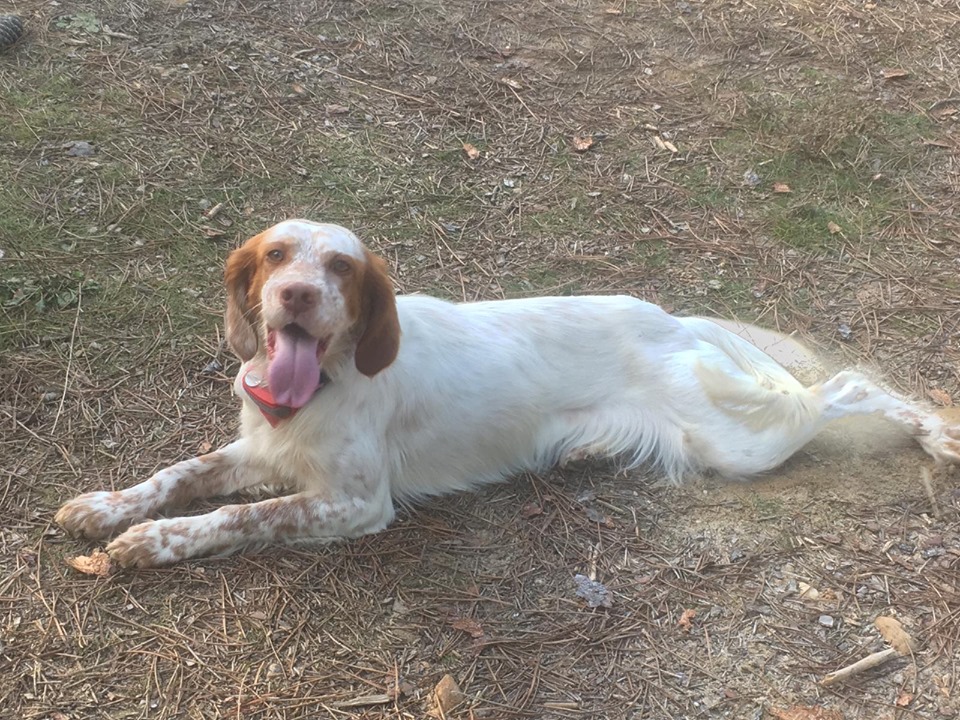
<point x="850" y="393"/>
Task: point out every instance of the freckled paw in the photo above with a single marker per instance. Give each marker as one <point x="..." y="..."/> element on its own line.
<point x="140" y="547"/>
<point x="943" y="446"/>
<point x="93" y="515"/>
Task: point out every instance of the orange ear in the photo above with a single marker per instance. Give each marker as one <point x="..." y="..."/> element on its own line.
<point x="380" y="342"/>
<point x="240" y="316"/>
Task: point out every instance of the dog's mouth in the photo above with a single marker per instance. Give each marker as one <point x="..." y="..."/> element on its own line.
<point x="293" y="369"/>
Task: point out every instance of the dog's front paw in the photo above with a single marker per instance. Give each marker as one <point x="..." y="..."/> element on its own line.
<point x="97" y="515"/>
<point x="149" y="544"/>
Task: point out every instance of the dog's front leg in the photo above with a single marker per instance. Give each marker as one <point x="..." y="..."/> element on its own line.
<point x="304" y="516"/>
<point x="99" y="514"/>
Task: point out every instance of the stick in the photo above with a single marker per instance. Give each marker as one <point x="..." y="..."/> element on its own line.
<point x="870" y="661"/>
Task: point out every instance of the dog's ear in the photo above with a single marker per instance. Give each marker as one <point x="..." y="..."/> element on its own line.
<point x="241" y="315"/>
<point x="380" y="342"/>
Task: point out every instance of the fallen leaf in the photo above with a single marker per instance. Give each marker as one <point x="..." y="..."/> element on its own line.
<point x="834" y="228"/>
<point x="594" y="515"/>
<point x="298" y="88"/>
<point x="335" y="109"/>
<point x="582" y="143"/>
<point x="531" y="510"/>
<point x="803" y="712"/>
<point x="808" y="592"/>
<point x="686" y="619"/>
<point x="446" y="696"/>
<point x="471" y="151"/>
<point x="894" y="73"/>
<point x="510" y="82"/>
<point x="670" y="146"/>
<point x="468" y="625"/>
<point x="904" y="699"/>
<point x="205" y="447"/>
<point x="97" y="563"/>
<point x="892" y="631"/>
<point x="940" y="397"/>
<point x="781" y="188"/>
<point x="613" y="11"/>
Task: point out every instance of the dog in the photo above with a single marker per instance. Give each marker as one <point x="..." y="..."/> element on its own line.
<point x="357" y="400"/>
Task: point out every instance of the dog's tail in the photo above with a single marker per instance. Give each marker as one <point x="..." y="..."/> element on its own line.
<point x="763" y="394"/>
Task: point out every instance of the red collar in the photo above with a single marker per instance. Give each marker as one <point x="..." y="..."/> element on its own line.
<point x="272" y="411"/>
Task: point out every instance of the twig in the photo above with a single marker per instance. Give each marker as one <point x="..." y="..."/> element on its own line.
<point x="66" y="375"/>
<point x="867" y="663"/>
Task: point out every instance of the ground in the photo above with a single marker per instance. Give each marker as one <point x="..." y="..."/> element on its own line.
<point x="792" y="163"/>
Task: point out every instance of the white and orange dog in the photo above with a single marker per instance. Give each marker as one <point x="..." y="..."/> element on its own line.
<point x="356" y="399"/>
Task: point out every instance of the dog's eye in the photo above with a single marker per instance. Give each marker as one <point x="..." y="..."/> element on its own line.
<point x="340" y="267"/>
<point x="275" y="255"/>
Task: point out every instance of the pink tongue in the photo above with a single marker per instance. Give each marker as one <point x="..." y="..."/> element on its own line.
<point x="294" y="371"/>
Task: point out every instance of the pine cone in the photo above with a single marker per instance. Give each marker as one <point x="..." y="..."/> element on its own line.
<point x="11" y="28"/>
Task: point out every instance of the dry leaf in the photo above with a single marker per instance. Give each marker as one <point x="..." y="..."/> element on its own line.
<point x="904" y="699"/>
<point x="892" y="631"/>
<point x="298" y="88"/>
<point x="834" y="228"/>
<point x="531" y="510"/>
<point x="781" y="188"/>
<point x="205" y="447"/>
<point x="510" y="82"/>
<point x="582" y="143"/>
<point x="686" y="619"/>
<point x="940" y="397"/>
<point x="335" y="109"/>
<point x="97" y="563"/>
<point x="670" y="146"/>
<point x="808" y="592"/>
<point x="894" y="73"/>
<point x="446" y="696"/>
<point x="471" y="151"/>
<point x="613" y="11"/>
<point x="803" y="712"/>
<point x="468" y="625"/>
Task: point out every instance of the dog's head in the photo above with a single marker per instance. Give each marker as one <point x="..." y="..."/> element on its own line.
<point x="301" y="293"/>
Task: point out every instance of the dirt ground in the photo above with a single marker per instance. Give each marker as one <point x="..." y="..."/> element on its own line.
<point x="792" y="163"/>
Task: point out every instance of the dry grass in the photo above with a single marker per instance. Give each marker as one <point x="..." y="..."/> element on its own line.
<point x="357" y="112"/>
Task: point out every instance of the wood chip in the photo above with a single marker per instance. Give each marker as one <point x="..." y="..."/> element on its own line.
<point x="894" y="73"/>
<point x="471" y="151"/>
<point x="364" y="700"/>
<point x="892" y="631"/>
<point x="781" y="188"/>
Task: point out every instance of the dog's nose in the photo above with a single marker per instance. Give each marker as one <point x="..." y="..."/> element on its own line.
<point x="297" y="298"/>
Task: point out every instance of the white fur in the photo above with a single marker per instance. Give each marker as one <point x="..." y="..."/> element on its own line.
<point x="481" y="391"/>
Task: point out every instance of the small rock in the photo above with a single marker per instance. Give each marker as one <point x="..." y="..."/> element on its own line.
<point x="751" y="179"/>
<point x="214" y="366"/>
<point x="827" y="621"/>
<point x="846" y="334"/>
<point x="79" y="148"/>
<point x="595" y="593"/>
